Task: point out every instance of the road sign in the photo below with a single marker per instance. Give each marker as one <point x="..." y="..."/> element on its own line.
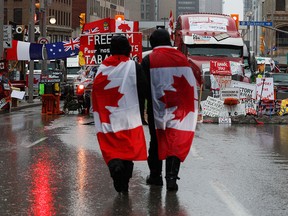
<point x="44" y="40"/>
<point x="7" y="36"/>
<point x="256" y="23"/>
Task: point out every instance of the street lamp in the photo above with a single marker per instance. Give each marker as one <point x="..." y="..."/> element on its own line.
<point x="52" y="20"/>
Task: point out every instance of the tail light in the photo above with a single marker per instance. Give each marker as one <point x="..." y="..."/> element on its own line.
<point x="80" y="89"/>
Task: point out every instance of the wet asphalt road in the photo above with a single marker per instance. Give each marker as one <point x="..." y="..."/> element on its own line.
<point x="52" y="165"/>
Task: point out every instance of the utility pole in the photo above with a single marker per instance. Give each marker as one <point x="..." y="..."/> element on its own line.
<point x="31" y="63"/>
<point x="43" y="30"/>
<point x="1" y="27"/>
<point x="87" y="16"/>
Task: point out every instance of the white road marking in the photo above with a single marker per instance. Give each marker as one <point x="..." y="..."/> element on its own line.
<point x="36" y="142"/>
<point x="236" y="208"/>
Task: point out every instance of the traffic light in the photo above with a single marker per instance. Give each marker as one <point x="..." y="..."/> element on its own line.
<point x="82" y="20"/>
<point x="236" y="18"/>
<point x="119" y="17"/>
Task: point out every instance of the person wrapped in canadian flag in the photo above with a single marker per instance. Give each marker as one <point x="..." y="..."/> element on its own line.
<point x="118" y="86"/>
<point x="172" y="108"/>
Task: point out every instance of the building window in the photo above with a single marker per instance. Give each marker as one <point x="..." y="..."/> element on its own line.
<point x="282" y="37"/>
<point x="17" y="15"/>
<point x="280" y="5"/>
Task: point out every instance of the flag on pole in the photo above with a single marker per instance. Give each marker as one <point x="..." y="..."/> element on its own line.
<point x="171" y="25"/>
<point x="63" y="49"/>
<point x="24" y="51"/>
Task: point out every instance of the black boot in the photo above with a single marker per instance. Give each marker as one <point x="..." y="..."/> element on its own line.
<point x="127" y="175"/>
<point x="155" y="177"/>
<point x="172" y="170"/>
<point x="116" y="168"/>
<point x="155" y="166"/>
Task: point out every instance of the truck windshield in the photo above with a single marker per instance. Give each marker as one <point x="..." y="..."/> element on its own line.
<point x="214" y="50"/>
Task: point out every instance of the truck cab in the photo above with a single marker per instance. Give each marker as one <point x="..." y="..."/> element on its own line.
<point x="205" y="37"/>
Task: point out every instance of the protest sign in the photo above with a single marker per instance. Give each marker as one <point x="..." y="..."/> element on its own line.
<point x="247" y="90"/>
<point x="229" y="93"/>
<point x="211" y="106"/>
<point x="264" y="89"/>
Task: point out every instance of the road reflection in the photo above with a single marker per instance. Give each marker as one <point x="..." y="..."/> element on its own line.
<point x="42" y="194"/>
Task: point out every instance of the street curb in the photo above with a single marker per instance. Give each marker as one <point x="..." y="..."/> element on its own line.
<point x="23" y="106"/>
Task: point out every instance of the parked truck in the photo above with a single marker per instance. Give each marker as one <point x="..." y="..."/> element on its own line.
<point x="205" y="37"/>
<point x="73" y="70"/>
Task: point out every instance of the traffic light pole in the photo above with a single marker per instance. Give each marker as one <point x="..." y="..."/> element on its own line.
<point x="43" y="26"/>
<point x="31" y="63"/>
<point x="1" y="28"/>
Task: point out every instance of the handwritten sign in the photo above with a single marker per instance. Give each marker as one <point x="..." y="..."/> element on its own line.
<point x="212" y="106"/>
<point x="264" y="89"/>
<point x="247" y="90"/>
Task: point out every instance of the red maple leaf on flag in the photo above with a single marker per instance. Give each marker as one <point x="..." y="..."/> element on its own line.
<point x="124" y="27"/>
<point x="182" y="98"/>
<point x="105" y="97"/>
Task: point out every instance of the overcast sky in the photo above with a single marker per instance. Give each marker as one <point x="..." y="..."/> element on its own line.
<point x="233" y="6"/>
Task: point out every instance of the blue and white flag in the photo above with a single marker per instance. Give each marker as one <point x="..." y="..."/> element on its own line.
<point x="64" y="49"/>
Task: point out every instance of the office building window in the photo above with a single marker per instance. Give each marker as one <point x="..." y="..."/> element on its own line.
<point x="17" y="15"/>
<point x="280" y="5"/>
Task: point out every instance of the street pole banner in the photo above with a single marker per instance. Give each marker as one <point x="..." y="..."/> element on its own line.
<point x="94" y="48"/>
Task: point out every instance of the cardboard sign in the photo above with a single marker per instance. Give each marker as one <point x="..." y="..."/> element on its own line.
<point x="220" y="81"/>
<point x="211" y="106"/>
<point x="220" y="68"/>
<point x="229" y="93"/>
<point x="94" y="48"/>
<point x="235" y="110"/>
<point x="265" y="89"/>
<point x="247" y="90"/>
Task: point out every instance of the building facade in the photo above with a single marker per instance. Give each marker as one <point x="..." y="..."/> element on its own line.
<point x="270" y="41"/>
<point x="211" y="6"/>
<point x="186" y="6"/>
<point x="15" y="14"/>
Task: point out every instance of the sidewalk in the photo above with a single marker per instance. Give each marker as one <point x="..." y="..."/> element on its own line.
<point x="22" y="104"/>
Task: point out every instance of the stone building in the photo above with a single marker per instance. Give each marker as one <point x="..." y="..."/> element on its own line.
<point x="276" y="11"/>
<point x="17" y="13"/>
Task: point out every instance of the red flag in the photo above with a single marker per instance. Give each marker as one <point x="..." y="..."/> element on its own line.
<point x="116" y="111"/>
<point x="175" y="102"/>
<point x="171" y="25"/>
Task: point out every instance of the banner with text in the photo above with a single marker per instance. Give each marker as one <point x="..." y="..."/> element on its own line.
<point x="94" y="48"/>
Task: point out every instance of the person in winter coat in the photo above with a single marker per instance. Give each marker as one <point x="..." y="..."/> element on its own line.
<point x="118" y="85"/>
<point x="172" y="108"/>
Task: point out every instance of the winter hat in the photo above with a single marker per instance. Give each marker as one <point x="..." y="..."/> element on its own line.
<point x="160" y="37"/>
<point x="120" y="45"/>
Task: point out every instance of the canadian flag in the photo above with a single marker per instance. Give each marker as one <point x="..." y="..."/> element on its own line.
<point x="116" y="111"/>
<point x="171" y="25"/>
<point x="126" y="26"/>
<point x="175" y="101"/>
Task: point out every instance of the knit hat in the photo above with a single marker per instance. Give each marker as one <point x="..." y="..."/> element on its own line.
<point x="120" y="45"/>
<point x="160" y="37"/>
